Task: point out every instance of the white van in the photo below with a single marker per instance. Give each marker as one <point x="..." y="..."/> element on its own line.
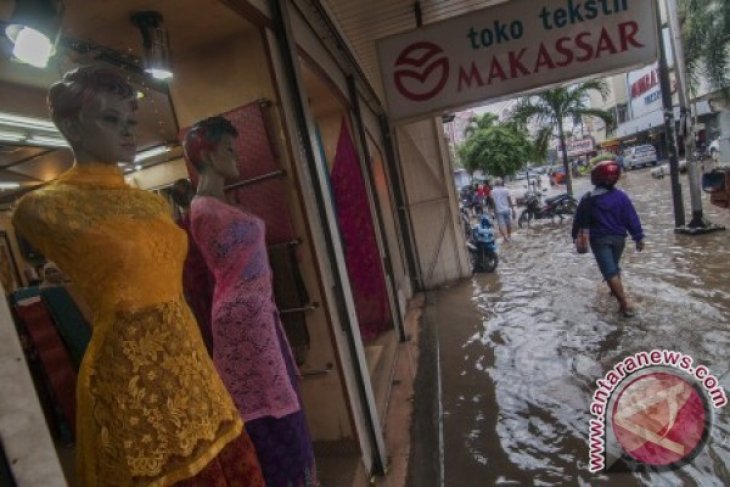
<point x="640" y="156"/>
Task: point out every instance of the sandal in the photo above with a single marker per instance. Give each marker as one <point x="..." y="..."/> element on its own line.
<point x="628" y="312"/>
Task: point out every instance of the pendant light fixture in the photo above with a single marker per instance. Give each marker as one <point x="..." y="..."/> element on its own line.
<point x="156" y="44"/>
<point x="34" y="29"/>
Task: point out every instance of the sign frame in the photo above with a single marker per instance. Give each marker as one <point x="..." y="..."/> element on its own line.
<point x="494" y="53"/>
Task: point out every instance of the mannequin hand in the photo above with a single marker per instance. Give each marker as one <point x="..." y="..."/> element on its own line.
<point x="639" y="245"/>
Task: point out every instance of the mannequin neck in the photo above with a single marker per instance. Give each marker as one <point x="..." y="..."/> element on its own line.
<point x="84" y="158"/>
<point x="211" y="184"/>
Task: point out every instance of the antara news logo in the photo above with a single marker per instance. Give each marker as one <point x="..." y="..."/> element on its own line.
<point x="653" y="410"/>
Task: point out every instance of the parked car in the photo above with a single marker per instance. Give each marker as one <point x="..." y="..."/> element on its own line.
<point x="640" y="156"/>
<point x="537" y="170"/>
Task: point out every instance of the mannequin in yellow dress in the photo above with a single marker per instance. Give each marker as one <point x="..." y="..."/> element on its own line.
<point x="151" y="408"/>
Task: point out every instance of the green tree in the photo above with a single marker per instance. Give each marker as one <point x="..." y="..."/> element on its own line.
<point x="552" y="108"/>
<point x="706" y="35"/>
<point x="480" y="122"/>
<point x="498" y="150"/>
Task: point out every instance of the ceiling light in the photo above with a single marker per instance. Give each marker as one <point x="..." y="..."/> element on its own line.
<point x="11" y="136"/>
<point x="156" y="44"/>
<point x="160" y="74"/>
<point x="32" y="47"/>
<point x="137" y="167"/>
<point x="4" y="185"/>
<point x="150" y="153"/>
<point x="33" y="29"/>
<point x="47" y="141"/>
<point x="20" y="121"/>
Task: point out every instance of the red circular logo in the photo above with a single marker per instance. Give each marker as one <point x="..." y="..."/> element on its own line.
<point x="422" y="70"/>
<point x="660" y="419"/>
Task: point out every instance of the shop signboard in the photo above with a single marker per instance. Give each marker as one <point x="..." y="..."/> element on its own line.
<point x="516" y="47"/>
<point x="581" y="147"/>
<point x="644" y="90"/>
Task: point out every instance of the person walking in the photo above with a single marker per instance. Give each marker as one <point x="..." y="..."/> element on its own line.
<point x="504" y="209"/>
<point x="481" y="198"/>
<point x="604" y="218"/>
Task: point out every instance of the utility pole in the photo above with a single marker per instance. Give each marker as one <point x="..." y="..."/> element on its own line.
<point x="698" y="224"/>
<point x="666" y="88"/>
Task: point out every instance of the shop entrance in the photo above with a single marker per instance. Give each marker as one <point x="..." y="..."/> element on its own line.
<point x="359" y="224"/>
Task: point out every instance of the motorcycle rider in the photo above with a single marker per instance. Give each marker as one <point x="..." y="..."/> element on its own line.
<point x="504" y="208"/>
<point x="608" y="214"/>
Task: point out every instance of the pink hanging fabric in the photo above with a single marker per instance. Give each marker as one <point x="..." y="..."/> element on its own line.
<point x="358" y="235"/>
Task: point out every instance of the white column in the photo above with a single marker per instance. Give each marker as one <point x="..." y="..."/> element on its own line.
<point x="23" y="429"/>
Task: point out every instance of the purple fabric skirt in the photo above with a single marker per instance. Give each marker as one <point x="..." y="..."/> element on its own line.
<point x="283" y="445"/>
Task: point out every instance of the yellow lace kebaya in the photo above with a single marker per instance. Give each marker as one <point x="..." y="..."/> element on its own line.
<point x="151" y="408"/>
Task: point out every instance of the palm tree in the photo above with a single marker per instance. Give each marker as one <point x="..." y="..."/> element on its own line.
<point x="706" y="33"/>
<point x="541" y="144"/>
<point x="553" y="107"/>
<point x="477" y="123"/>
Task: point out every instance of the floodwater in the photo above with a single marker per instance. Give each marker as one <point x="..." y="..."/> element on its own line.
<point x="520" y="350"/>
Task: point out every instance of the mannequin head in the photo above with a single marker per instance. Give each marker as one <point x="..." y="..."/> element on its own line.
<point x="52" y="275"/>
<point x="209" y="148"/>
<point x="94" y="108"/>
<point x="182" y="193"/>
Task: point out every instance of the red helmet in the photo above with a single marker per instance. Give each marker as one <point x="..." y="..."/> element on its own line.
<point x="606" y="173"/>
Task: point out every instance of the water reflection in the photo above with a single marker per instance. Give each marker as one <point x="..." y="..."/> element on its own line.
<point x="521" y="358"/>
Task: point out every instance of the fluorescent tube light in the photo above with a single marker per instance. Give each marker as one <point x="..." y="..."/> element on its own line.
<point x="4" y="185"/>
<point x="150" y="153"/>
<point x="41" y="124"/>
<point x="11" y="136"/>
<point x="47" y="141"/>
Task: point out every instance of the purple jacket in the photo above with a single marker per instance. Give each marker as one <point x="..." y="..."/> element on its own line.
<point x="611" y="213"/>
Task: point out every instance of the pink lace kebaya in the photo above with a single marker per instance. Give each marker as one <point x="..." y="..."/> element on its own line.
<point x="246" y="347"/>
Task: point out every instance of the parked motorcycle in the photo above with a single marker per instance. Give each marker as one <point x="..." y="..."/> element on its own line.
<point x="558" y="205"/>
<point x="482" y="246"/>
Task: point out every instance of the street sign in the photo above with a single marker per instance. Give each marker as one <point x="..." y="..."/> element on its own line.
<point x="512" y="48"/>
<point x="580" y="147"/>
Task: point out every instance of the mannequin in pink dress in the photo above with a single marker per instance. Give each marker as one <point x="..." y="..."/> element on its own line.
<point x="250" y="349"/>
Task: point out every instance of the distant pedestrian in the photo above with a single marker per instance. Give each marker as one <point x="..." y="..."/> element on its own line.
<point x="606" y="214"/>
<point x="481" y="196"/>
<point x="504" y="209"/>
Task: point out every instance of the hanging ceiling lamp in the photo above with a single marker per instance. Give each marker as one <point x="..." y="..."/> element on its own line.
<point x="34" y="29"/>
<point x="156" y="44"/>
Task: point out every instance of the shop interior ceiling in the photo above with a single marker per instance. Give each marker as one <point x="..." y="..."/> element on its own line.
<point x="101" y="31"/>
<point x="364" y="21"/>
